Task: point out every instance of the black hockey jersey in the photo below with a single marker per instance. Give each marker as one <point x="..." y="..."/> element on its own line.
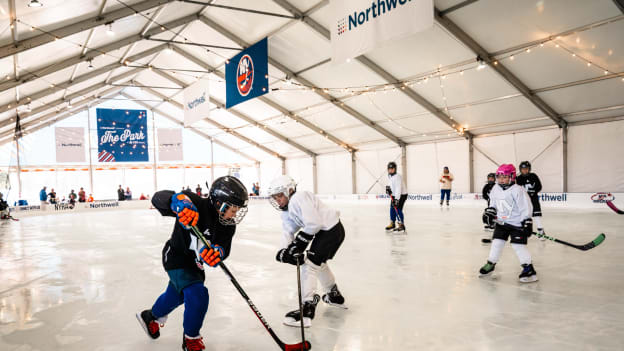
<point x="530" y="182"/>
<point x="180" y="251"/>
<point x="486" y="191"/>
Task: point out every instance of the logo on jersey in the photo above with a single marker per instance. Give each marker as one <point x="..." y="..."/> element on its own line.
<point x="244" y="75"/>
<point x="601" y="198"/>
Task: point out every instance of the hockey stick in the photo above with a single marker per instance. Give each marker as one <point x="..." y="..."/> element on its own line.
<point x="590" y="245"/>
<point x="612" y="206"/>
<point x="303" y="340"/>
<point x="282" y="345"/>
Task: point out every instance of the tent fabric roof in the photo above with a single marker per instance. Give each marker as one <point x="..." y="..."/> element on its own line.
<point x="577" y="72"/>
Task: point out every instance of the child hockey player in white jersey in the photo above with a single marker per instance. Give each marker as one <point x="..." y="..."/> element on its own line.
<point x="397" y="191"/>
<point x="512" y="207"/>
<point x="315" y="225"/>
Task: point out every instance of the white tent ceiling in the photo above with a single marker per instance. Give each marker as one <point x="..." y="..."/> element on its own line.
<point x="577" y="74"/>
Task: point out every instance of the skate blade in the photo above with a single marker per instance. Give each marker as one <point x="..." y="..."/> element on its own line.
<point x="530" y="279"/>
<point x="142" y="323"/>
<point x="342" y="306"/>
<point x="291" y="322"/>
<point x="489" y="276"/>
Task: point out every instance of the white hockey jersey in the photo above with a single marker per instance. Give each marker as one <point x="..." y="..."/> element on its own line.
<point x="308" y="213"/>
<point x="397" y="185"/>
<point x="512" y="205"/>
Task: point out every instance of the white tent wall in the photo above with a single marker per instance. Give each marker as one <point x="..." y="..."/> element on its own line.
<point x="300" y="169"/>
<point x="594" y="162"/>
<point x="269" y="169"/>
<point x="371" y="169"/>
<point x="334" y="173"/>
<point x="542" y="148"/>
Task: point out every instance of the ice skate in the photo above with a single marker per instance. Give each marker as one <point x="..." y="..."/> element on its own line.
<point x="292" y="318"/>
<point x="528" y="274"/>
<point x="390" y="226"/>
<point x="149" y="323"/>
<point x="542" y="232"/>
<point x="334" y="298"/>
<point x="487" y="269"/>
<point x="192" y="343"/>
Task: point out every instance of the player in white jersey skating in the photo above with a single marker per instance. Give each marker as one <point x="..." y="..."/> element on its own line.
<point x="307" y="221"/>
<point x="511" y="206"/>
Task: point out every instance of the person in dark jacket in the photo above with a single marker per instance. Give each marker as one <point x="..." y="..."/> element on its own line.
<point x="184" y="254"/>
<point x="491" y="181"/>
<point x="121" y="194"/>
<point x="532" y="184"/>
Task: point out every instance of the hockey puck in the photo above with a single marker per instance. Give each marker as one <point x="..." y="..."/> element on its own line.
<point x="486" y="241"/>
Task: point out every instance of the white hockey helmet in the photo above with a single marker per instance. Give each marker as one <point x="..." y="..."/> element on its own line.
<point x="281" y="185"/>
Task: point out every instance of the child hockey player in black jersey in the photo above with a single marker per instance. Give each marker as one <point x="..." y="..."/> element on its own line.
<point x="397" y="191"/>
<point x="531" y="183"/>
<point x="491" y="181"/>
<point x="511" y="208"/>
<point x="306" y="221"/>
<point x="184" y="255"/>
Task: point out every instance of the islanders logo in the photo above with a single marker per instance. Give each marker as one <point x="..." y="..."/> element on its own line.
<point x="244" y="75"/>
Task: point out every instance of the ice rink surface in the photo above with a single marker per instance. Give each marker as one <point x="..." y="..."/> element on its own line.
<point x="74" y="281"/>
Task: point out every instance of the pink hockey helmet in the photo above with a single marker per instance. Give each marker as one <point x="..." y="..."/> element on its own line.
<point x="508" y="170"/>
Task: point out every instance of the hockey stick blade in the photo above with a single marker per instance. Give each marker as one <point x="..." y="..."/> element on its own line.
<point x="612" y="206"/>
<point x="590" y="245"/>
<point x="282" y="345"/>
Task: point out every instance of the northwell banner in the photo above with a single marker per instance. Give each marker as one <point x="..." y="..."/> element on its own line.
<point x="70" y="144"/>
<point x="360" y="26"/>
<point x="122" y="135"/>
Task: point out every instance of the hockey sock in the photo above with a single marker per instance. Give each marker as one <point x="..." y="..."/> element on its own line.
<point x="195" y="307"/>
<point x="538" y="222"/>
<point x="524" y="256"/>
<point x="309" y="274"/>
<point x="326" y="277"/>
<point x="392" y="213"/>
<point x="167" y="302"/>
<point x="496" y="250"/>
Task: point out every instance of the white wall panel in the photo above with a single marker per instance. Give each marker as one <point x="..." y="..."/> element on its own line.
<point x="515" y="148"/>
<point x="371" y="169"/>
<point x="334" y="173"/>
<point x="594" y="160"/>
<point x="269" y="169"/>
<point x="454" y="155"/>
<point x="300" y="169"/>
<point x="422" y="169"/>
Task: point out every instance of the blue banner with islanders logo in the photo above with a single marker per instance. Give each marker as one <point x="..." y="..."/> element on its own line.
<point x="246" y="74"/>
<point x="122" y="135"/>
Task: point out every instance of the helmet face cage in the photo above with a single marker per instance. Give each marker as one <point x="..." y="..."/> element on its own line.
<point x="240" y="214"/>
<point x="285" y="190"/>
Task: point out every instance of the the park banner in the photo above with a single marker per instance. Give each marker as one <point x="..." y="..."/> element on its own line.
<point x="122" y="135"/>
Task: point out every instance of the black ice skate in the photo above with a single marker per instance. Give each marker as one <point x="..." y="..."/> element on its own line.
<point x="390" y="226"/>
<point x="334" y="298"/>
<point x="292" y="318"/>
<point x="149" y="323"/>
<point x="528" y="274"/>
<point x="192" y="343"/>
<point x="487" y="269"/>
<point x="400" y="228"/>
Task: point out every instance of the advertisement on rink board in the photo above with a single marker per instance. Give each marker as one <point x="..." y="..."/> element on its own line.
<point x="122" y="135"/>
<point x="247" y="74"/>
<point x="364" y="25"/>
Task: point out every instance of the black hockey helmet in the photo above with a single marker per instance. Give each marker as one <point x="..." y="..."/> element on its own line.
<point x="492" y="175"/>
<point x="525" y="164"/>
<point x="229" y="191"/>
<point x="392" y="164"/>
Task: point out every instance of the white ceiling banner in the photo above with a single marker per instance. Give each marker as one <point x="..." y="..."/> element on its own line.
<point x="170" y="144"/>
<point x="196" y="102"/>
<point x="70" y="144"/>
<point x="363" y="25"/>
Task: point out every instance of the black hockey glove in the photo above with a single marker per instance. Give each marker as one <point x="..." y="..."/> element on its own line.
<point x="286" y="256"/>
<point x="489" y="216"/>
<point x="395" y="202"/>
<point x="302" y="240"/>
<point x="527" y="227"/>
<point x="388" y="190"/>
